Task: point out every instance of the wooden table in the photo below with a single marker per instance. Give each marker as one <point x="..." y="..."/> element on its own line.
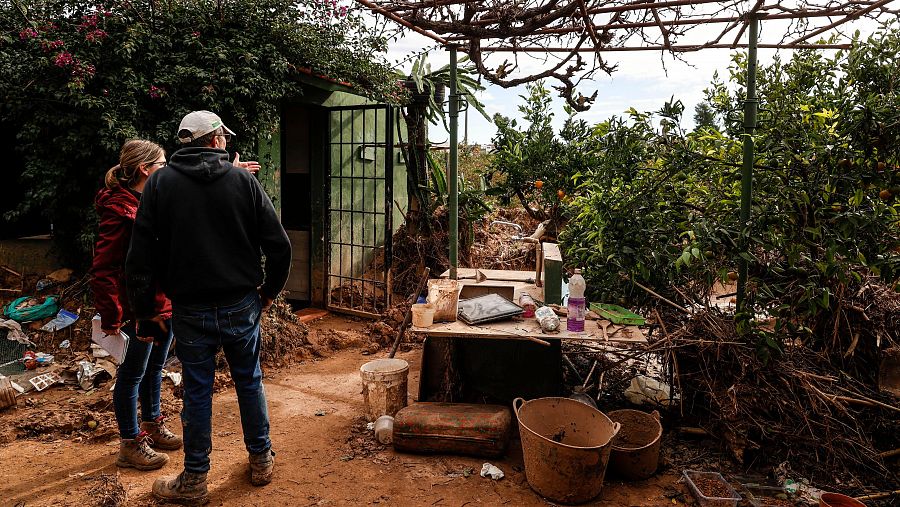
<point x="526" y="329"/>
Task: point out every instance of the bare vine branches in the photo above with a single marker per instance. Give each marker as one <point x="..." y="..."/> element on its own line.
<point x="564" y="39"/>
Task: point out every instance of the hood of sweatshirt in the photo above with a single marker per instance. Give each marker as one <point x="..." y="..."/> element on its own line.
<point x="203" y="164"/>
<point x="119" y="200"/>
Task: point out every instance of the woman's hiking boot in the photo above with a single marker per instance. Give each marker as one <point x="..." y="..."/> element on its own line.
<point x="186" y="489"/>
<point x="262" y="467"/>
<point x="136" y="453"/>
<point x="160" y="436"/>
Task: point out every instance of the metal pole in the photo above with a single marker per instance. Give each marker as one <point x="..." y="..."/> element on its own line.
<point x="751" y="105"/>
<point x="452" y="169"/>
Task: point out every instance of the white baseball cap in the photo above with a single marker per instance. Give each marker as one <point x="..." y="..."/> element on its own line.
<point x="197" y="124"/>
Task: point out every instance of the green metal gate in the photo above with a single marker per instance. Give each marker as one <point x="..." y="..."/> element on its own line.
<point x="358" y="209"/>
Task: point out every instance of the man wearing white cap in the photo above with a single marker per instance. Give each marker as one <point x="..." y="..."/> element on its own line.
<point x="201" y="232"/>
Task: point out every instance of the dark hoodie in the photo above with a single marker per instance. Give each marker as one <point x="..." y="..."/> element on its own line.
<point x="201" y="229"/>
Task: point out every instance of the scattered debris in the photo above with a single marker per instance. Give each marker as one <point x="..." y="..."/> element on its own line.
<point x="28" y="309"/>
<point x="15" y="332"/>
<point x="63" y="319"/>
<point x="108" y="491"/>
<point x="90" y="375"/>
<point x="644" y="390"/>
<point x="44" y="381"/>
<point x="488" y="470"/>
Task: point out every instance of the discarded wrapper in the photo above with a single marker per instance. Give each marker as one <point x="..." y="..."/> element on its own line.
<point x="488" y="470"/>
<point x="63" y="319"/>
<point x="90" y="375"/>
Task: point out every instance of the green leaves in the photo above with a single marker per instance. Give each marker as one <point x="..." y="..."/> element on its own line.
<point x="153" y="63"/>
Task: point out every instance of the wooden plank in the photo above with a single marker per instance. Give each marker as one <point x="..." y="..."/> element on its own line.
<point x="529" y="328"/>
<point x="500" y="275"/>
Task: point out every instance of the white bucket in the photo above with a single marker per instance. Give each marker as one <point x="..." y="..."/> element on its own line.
<point x="384" y="387"/>
<point x="422" y="315"/>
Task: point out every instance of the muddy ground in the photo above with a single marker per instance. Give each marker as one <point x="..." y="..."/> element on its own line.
<point x="325" y="456"/>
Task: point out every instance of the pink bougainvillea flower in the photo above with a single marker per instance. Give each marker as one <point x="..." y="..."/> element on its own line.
<point x="95" y="35"/>
<point x="28" y="33"/>
<point x="63" y="59"/>
<point x="155" y="92"/>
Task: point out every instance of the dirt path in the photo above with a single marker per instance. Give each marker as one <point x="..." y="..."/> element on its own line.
<point x="322" y="459"/>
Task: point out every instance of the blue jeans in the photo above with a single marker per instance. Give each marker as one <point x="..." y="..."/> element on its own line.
<point x="138" y="377"/>
<point x="201" y="331"/>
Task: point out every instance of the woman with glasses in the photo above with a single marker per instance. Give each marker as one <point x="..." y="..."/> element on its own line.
<point x="139" y="375"/>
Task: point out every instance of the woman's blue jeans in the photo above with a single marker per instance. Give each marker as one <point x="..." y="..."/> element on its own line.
<point x="201" y="331"/>
<point x="138" y="377"/>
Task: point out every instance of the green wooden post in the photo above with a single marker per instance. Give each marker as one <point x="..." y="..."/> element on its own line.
<point x="751" y="106"/>
<point x="452" y="170"/>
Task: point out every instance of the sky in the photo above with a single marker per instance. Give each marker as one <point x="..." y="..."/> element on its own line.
<point x="644" y="80"/>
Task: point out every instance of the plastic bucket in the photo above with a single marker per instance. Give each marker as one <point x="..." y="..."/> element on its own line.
<point x="444" y="295"/>
<point x="635" y="450"/>
<point x="7" y="394"/>
<point x="422" y="315"/>
<point x="566" y="446"/>
<point x="384" y="387"/>
<point x="838" y="500"/>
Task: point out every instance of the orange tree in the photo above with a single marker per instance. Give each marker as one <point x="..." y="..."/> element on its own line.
<point x="79" y="77"/>
<point x="660" y="205"/>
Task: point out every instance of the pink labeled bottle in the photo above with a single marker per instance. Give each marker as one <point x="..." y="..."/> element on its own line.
<point x="577" y="304"/>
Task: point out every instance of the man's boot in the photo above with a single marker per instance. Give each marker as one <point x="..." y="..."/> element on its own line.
<point x="186" y="489"/>
<point x="160" y="436"/>
<point x="262" y="467"/>
<point x="136" y="453"/>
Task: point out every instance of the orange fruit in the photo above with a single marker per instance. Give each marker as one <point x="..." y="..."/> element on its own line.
<point x="881" y="166"/>
<point x="885" y="195"/>
<point x="538" y="184"/>
<point x="560" y="194"/>
<point x="732" y="275"/>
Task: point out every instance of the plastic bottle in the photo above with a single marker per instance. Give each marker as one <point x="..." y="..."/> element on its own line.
<point x="384" y="429"/>
<point x="577" y="305"/>
<point x="528" y="305"/>
<point x="547" y="319"/>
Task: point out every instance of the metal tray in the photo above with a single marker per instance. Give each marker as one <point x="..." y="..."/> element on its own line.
<point x="487" y="308"/>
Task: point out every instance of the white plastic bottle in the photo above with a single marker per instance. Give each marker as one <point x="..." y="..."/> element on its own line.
<point x="577" y="305"/>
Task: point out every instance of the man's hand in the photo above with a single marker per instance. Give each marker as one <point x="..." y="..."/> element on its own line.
<point x="253" y="167"/>
<point x="112" y="331"/>
<point x="160" y="321"/>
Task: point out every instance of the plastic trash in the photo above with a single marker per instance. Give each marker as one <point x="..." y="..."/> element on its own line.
<point x="65" y="344"/>
<point x="384" y="429"/>
<point x="644" y="390"/>
<point x="90" y="375"/>
<point x="62" y="320"/>
<point x="44" y="381"/>
<point x="28" y="309"/>
<point x="488" y="470"/>
<point x="576" y="304"/>
<point x="15" y="332"/>
<point x="548" y="320"/>
<point x="528" y="305"/>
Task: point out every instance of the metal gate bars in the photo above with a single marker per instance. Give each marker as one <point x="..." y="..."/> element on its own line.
<point x="359" y="201"/>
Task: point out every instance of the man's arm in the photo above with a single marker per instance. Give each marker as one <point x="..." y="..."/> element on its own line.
<point x="275" y="246"/>
<point x="139" y="274"/>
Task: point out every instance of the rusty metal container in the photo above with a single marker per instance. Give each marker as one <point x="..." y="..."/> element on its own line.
<point x="453" y="428"/>
<point x="566" y="446"/>
<point x="635" y="450"/>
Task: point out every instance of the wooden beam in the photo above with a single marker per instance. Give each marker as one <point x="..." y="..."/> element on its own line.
<point x="675" y="49"/>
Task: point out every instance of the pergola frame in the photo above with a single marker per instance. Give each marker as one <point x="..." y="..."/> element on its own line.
<point x="572" y="28"/>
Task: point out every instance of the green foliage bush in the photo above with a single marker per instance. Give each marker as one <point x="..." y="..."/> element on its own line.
<point x="658" y="205"/>
<point x="79" y="77"/>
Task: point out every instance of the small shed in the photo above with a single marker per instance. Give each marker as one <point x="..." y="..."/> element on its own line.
<point x="338" y="180"/>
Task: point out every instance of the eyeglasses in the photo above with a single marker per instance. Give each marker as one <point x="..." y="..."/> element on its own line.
<point x="158" y="163"/>
<point x="226" y="136"/>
